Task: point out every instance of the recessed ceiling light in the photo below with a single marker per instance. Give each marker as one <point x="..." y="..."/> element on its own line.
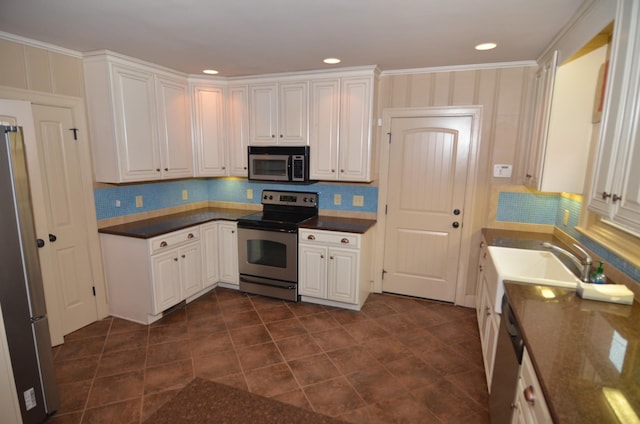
<point x="486" y="46"/>
<point x="331" y="61"/>
<point x="210" y="72"/>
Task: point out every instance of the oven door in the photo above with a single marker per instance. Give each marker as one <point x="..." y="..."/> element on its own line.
<point x="268" y="254"/>
<point x="269" y="167"/>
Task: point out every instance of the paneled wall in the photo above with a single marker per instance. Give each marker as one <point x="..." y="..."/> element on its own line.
<point x="30" y="67"/>
<point x="505" y="95"/>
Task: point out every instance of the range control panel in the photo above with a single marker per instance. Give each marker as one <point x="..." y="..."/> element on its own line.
<point x="289" y="198"/>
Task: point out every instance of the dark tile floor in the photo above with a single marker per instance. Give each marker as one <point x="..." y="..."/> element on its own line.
<point x="398" y="360"/>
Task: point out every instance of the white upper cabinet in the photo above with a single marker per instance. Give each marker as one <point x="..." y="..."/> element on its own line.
<point x="238" y="128"/>
<point x="341" y="113"/>
<point x="208" y="129"/>
<point x="615" y="190"/>
<point x="279" y="113"/>
<point x="139" y="120"/>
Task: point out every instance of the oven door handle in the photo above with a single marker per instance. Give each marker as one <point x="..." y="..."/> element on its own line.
<point x="250" y="226"/>
<point x="265" y="282"/>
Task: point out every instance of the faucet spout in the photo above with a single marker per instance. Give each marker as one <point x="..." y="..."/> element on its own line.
<point x="583" y="265"/>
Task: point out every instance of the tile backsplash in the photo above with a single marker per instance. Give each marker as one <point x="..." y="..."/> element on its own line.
<point x="117" y="201"/>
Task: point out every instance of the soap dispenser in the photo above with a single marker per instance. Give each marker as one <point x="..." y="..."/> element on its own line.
<point x="598" y="277"/>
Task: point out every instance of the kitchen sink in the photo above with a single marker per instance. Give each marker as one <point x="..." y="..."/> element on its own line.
<point x="531" y="266"/>
<point x="528" y="267"/>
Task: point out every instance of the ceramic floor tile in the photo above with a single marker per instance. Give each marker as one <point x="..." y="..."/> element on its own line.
<point x="395" y="361"/>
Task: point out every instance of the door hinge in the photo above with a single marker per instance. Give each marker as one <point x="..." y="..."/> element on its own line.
<point x="385" y="209"/>
<point x="93" y="288"/>
<point x="75" y="133"/>
<point x="383" y="272"/>
<point x="389" y="134"/>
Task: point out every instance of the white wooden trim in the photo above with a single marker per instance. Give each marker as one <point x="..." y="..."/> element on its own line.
<point x="475" y="112"/>
<point x="471" y="67"/>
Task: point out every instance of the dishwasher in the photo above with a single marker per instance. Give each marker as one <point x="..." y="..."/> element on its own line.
<point x="509" y="351"/>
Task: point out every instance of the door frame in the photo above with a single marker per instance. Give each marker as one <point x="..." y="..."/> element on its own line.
<point x="475" y="112"/>
<point x="53" y="302"/>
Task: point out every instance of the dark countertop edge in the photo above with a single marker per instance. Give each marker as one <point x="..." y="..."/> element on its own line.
<point x="172" y="222"/>
<point x="336" y="223"/>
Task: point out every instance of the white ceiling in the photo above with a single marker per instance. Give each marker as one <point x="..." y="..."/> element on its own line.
<point x="249" y="37"/>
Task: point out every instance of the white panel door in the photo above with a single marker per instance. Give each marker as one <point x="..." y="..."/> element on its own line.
<point x="210" y="145"/>
<point x="209" y="240"/>
<point x="355" y="129"/>
<point x="312" y="268"/>
<point x="427" y="182"/>
<point x="264" y="114"/>
<point x="60" y="157"/>
<point x="323" y="129"/>
<point x="228" y="250"/>
<point x="190" y="259"/>
<point x="165" y="274"/>
<point x="174" y="127"/>
<point x="293" y="114"/>
<point x="343" y="275"/>
<point x="238" y="129"/>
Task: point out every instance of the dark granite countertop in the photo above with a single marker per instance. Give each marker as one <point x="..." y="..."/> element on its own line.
<point x="586" y="353"/>
<point x="147" y="228"/>
<point x="336" y="223"/>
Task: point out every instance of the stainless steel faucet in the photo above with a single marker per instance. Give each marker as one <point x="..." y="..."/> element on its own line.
<point x="583" y="265"/>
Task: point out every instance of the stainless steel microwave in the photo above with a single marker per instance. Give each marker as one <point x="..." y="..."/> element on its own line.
<point x="279" y="163"/>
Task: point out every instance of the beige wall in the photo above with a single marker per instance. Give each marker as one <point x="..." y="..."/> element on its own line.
<point x="29" y="67"/>
<point x="505" y="95"/>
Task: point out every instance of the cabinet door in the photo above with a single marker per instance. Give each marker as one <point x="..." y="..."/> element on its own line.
<point x="312" y="271"/>
<point x="324" y="108"/>
<point x="190" y="259"/>
<point x="208" y="124"/>
<point x="209" y="239"/>
<point x="342" y="275"/>
<point x="545" y="78"/>
<point x="228" y="250"/>
<point x="174" y="126"/>
<point x="136" y="125"/>
<point x="355" y="129"/>
<point x="293" y="113"/>
<point x="165" y="272"/>
<point x="264" y="114"/>
<point x="238" y="129"/>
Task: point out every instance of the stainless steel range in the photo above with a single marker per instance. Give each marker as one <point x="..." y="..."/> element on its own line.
<point x="268" y="243"/>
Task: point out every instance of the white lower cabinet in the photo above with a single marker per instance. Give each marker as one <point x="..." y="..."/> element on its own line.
<point x="333" y="268"/>
<point x="529" y="403"/>
<point x="209" y="239"/>
<point x="228" y="253"/>
<point x="488" y="318"/>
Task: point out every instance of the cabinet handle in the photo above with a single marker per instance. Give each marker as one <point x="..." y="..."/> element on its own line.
<point x="190" y="236"/>
<point x="311" y="237"/>
<point x="344" y="241"/>
<point x="163" y="244"/>
<point x="529" y="395"/>
<point x="488" y="311"/>
<point x="528" y="176"/>
<point x="605" y="195"/>
<point x="615" y="198"/>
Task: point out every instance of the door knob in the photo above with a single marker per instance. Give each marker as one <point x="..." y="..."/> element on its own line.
<point x="52" y="238"/>
<point x="455" y="224"/>
<point x="456" y="211"/>
<point x="40" y="243"/>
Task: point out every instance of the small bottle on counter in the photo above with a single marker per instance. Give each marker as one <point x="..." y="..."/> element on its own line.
<point x="598" y="276"/>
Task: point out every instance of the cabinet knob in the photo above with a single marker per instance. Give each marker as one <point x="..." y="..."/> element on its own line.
<point x="530" y="395"/>
<point x="333" y="170"/>
<point x="311" y="237"/>
<point x="321" y="256"/>
<point x="184" y="256"/>
<point x="163" y="244"/>
<point x="528" y="176"/>
<point x="223" y="168"/>
<point x="615" y="198"/>
<point x="273" y="136"/>
<point x="233" y="231"/>
<point x="175" y="259"/>
<point x="488" y="311"/>
<point x="481" y="268"/>
<point x="331" y="257"/>
<point x="281" y="136"/>
<point x="190" y="235"/>
<point x="244" y="167"/>
<point x="342" y="170"/>
<point x="344" y="241"/>
<point x="166" y="169"/>
<point x="605" y="195"/>
<point x="157" y="169"/>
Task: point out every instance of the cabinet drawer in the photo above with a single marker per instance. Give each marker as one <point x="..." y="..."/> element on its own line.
<point x="329" y="238"/>
<point x="176" y="238"/>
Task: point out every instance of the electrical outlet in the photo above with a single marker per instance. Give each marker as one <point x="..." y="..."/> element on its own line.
<point x="117" y="203"/>
<point x="138" y="201"/>
<point x="337" y="199"/>
<point x="249" y="193"/>
<point x="185" y="195"/>
<point x="358" y="200"/>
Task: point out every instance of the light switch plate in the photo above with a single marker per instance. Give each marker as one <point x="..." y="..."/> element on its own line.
<point x="358" y="200"/>
<point x="138" y="201"/>
<point x="337" y="199"/>
<point x="185" y="195"/>
<point x="249" y="193"/>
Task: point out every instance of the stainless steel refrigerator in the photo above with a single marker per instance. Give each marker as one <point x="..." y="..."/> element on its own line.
<point x="21" y="291"/>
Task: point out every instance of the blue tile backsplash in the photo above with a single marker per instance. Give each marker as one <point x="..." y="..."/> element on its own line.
<point x="536" y="208"/>
<point x="169" y="194"/>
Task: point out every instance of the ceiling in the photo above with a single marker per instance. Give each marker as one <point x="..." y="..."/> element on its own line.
<point x="250" y="37"/>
